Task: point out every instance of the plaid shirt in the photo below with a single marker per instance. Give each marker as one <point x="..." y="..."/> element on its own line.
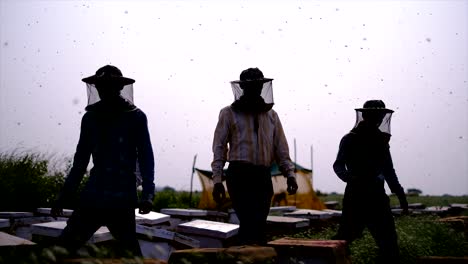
<point x="261" y="147"/>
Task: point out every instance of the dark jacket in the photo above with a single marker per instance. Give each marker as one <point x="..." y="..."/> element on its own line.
<point x="364" y="161"/>
<point x="116" y="136"/>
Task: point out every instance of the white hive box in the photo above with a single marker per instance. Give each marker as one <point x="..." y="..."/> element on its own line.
<point x="11" y="215"/>
<point x="310" y="214"/>
<point x="20" y="222"/>
<point x="159" y="243"/>
<point x="9" y="240"/>
<point x="46" y="211"/>
<point x="334" y="213"/>
<point x="177" y="212"/>
<point x="280" y="210"/>
<point x="54" y="229"/>
<point x="4" y="223"/>
<point x="152" y="218"/>
<point x="284" y="222"/>
<point x="209" y="233"/>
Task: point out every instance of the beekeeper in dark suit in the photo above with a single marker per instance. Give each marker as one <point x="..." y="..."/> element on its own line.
<point x="365" y="164"/>
<point x="114" y="132"/>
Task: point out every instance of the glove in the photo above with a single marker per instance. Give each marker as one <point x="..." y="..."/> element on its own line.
<point x="219" y="194"/>
<point x="403" y="202"/>
<point x="145" y="207"/>
<point x="292" y="185"/>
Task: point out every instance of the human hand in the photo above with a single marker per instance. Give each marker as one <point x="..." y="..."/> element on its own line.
<point x="219" y="193"/>
<point x="292" y="185"/>
<point x="404" y="207"/>
<point x="403" y="203"/>
<point x="405" y="211"/>
<point x="145" y="207"/>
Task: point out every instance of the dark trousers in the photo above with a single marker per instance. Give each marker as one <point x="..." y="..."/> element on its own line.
<point x="85" y="221"/>
<point x="372" y="211"/>
<point x="251" y="190"/>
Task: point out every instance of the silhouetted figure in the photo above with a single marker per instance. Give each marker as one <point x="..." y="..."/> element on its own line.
<point x="364" y="163"/>
<point x="115" y="133"/>
<point x="249" y="135"/>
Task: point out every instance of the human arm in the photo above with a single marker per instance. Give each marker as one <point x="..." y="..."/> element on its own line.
<point x="392" y="180"/>
<point x="79" y="166"/>
<point x="282" y="157"/>
<point x="146" y="164"/>
<point x="220" y="145"/>
<point x="220" y="149"/>
<point x="339" y="166"/>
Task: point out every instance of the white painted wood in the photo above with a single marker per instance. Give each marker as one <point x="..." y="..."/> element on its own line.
<point x="209" y="228"/>
<point x="54" y="229"/>
<point x="4" y="223"/>
<point x="416" y="206"/>
<point x="155" y="249"/>
<point x="208" y="242"/>
<point x="216" y="214"/>
<point x="152" y="218"/>
<point x="333" y="212"/>
<point x="282" y="209"/>
<point x="153" y="233"/>
<point x="284" y="221"/>
<point x="46" y="211"/>
<point x="184" y="212"/>
<point x="9" y="240"/>
<point x="15" y="214"/>
<point x="27" y="221"/>
<point x="436" y="209"/>
<point x="233" y="219"/>
<point x="459" y="205"/>
<point x="309" y="214"/>
<point x="157" y="234"/>
<point x="186" y="240"/>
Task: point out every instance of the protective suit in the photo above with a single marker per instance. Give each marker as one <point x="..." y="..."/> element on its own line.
<point x="114" y="132"/>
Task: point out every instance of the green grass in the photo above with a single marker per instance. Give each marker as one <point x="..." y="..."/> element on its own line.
<point x="427" y="200"/>
<point x="417" y="237"/>
<point x="170" y="198"/>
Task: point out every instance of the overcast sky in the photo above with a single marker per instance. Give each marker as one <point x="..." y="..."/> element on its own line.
<point x="326" y="58"/>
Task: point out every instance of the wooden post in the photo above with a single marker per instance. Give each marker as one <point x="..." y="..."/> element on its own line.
<point x="191" y="179"/>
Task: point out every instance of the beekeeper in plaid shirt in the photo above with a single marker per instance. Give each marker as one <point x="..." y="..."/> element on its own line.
<point x="249" y="136"/>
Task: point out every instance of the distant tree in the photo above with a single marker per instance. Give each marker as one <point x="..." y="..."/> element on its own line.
<point x="319" y="193"/>
<point x="413" y="192"/>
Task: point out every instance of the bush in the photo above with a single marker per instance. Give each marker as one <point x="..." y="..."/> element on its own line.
<point x="413" y="192"/>
<point x="170" y="198"/>
<point x="25" y="182"/>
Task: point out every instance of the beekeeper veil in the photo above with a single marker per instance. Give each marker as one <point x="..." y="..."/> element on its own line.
<point x="252" y="92"/>
<point x="109" y="77"/>
<point x="374" y="113"/>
